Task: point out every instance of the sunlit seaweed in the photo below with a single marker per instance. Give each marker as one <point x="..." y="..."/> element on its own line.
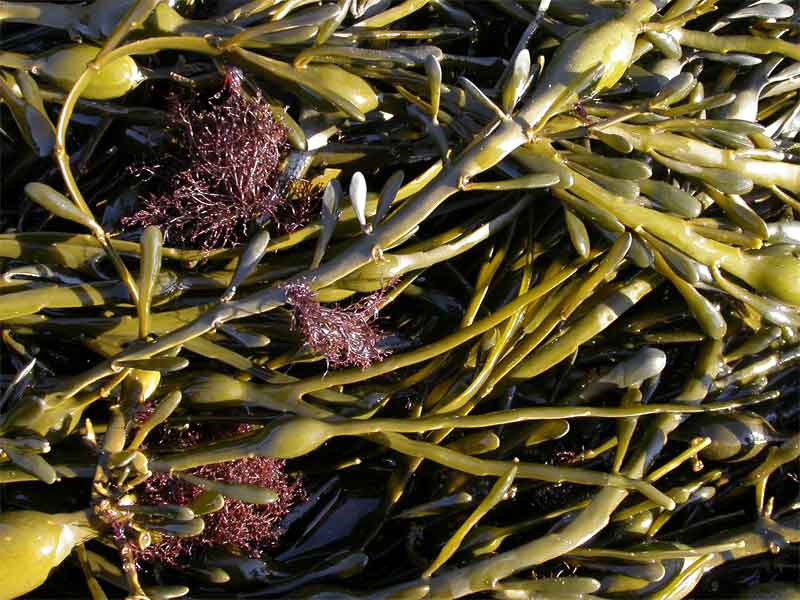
<point x="579" y="218"/>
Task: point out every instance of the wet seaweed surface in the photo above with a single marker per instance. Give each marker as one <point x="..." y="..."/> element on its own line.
<point x="399" y="299"/>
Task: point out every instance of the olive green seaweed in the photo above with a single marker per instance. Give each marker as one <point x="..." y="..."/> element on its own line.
<point x="519" y="320"/>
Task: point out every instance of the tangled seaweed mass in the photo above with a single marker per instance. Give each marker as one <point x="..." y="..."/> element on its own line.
<point x="222" y="175"/>
<point x="389" y="299"/>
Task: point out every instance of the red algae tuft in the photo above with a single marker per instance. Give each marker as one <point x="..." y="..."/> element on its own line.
<point x="345" y="336"/>
<point x="222" y="172"/>
<point x="249" y="527"/>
